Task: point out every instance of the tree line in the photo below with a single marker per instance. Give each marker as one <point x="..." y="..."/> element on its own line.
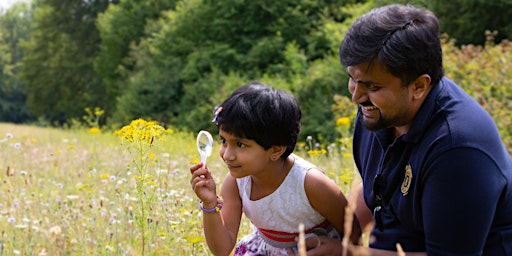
<point x="173" y="60"/>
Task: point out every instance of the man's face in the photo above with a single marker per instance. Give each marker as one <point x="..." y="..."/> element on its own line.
<point x="383" y="101"/>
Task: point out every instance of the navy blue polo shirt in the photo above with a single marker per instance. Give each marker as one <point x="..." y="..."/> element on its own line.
<point x="446" y="185"/>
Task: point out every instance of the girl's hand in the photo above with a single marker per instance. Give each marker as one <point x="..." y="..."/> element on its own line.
<point x="203" y="185"/>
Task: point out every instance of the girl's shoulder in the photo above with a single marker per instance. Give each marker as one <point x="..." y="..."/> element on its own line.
<point x="302" y="163"/>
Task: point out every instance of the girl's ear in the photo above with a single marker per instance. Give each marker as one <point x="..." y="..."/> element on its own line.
<point x="276" y="152"/>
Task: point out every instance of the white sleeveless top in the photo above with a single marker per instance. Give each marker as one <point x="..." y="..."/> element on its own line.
<point x="285" y="208"/>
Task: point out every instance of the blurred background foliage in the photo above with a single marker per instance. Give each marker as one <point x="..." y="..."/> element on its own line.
<point x="173" y="61"/>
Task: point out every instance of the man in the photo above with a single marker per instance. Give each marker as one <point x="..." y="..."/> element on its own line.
<point x="436" y="176"/>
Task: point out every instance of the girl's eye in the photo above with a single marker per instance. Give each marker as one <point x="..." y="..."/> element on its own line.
<point x="240" y="145"/>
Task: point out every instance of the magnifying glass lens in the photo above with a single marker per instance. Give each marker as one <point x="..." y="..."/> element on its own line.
<point x="204" y="145"/>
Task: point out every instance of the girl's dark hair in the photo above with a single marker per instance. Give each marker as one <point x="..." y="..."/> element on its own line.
<point x="261" y="113"/>
<point x="403" y="38"/>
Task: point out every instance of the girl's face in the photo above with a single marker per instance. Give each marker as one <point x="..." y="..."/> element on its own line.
<point x="242" y="156"/>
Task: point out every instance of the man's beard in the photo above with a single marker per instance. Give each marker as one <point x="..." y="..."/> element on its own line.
<point x="371" y="125"/>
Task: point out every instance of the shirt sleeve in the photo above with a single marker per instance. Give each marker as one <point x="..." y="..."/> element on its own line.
<point x="461" y="192"/>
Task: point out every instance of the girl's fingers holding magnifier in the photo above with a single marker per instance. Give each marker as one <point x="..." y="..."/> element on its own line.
<point x="195" y="167"/>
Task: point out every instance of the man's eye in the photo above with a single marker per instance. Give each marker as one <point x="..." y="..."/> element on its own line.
<point x="372" y="87"/>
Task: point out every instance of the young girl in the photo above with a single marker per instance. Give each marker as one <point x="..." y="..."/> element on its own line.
<point x="277" y="190"/>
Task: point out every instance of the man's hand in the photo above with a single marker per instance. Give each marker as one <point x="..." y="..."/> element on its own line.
<point x="327" y="246"/>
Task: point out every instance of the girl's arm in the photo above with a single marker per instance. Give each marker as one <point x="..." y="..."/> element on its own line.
<point x="327" y="198"/>
<point x="220" y="228"/>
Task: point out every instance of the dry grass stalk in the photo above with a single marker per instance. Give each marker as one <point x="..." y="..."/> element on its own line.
<point x="399" y="250"/>
<point x="349" y="218"/>
<point x="302" y="241"/>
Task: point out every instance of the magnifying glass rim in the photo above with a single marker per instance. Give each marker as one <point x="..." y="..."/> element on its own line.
<point x="210" y="142"/>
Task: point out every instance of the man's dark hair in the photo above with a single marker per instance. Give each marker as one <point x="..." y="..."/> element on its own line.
<point x="402" y="38"/>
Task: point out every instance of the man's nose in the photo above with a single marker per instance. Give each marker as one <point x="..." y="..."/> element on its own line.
<point x="359" y="93"/>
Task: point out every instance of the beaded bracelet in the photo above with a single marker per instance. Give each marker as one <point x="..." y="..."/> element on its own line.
<point x="217" y="208"/>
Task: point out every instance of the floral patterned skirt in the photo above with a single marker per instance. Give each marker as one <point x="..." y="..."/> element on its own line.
<point x="254" y="245"/>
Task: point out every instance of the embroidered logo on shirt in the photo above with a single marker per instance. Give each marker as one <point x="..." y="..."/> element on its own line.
<point x="406" y="184"/>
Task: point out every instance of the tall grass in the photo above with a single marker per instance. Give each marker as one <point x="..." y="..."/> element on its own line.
<point x="73" y="192"/>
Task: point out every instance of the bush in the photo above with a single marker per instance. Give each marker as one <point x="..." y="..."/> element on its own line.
<point x="484" y="73"/>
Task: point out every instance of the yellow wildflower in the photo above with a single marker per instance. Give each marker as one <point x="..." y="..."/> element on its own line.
<point x="98" y="111"/>
<point x="94" y="130"/>
<point x="141" y="131"/>
<point x="347" y="177"/>
<point x="343" y="121"/>
<point x="317" y="152"/>
<point x="194" y="239"/>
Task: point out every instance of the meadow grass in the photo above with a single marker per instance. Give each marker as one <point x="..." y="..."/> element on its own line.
<point x="74" y="192"/>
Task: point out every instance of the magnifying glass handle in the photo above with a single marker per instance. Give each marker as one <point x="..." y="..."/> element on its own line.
<point x="203" y="158"/>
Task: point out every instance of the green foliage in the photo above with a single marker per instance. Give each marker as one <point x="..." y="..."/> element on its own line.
<point x="484" y="72"/>
<point x="120" y="26"/>
<point x="144" y="96"/>
<point x="199" y="38"/>
<point x="201" y="97"/>
<point x="14" y="26"/>
<point x="57" y="65"/>
<point x="296" y="62"/>
<point x="467" y="20"/>
<point x="324" y="80"/>
<point x="172" y="61"/>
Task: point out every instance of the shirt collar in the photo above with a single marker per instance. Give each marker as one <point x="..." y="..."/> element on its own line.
<point x="425" y="114"/>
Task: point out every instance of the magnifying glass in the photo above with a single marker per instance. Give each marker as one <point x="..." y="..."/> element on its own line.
<point x="204" y="143"/>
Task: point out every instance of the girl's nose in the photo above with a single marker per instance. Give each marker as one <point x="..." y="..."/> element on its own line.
<point x="227" y="153"/>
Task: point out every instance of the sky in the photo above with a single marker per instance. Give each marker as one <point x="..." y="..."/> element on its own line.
<point x="5" y="4"/>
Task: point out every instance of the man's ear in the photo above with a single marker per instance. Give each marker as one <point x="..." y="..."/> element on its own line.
<point x="276" y="152"/>
<point x="420" y="87"/>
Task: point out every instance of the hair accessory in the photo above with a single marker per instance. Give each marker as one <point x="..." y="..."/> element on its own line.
<point x="217" y="208"/>
<point x="216" y="112"/>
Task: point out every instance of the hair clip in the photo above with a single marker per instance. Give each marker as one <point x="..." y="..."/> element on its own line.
<point x="216" y="112"/>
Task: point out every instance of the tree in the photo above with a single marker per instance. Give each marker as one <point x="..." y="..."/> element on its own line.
<point x="467" y="20"/>
<point x="204" y="36"/>
<point x="58" y="61"/>
<point x="14" y="26"/>
<point x="121" y="26"/>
